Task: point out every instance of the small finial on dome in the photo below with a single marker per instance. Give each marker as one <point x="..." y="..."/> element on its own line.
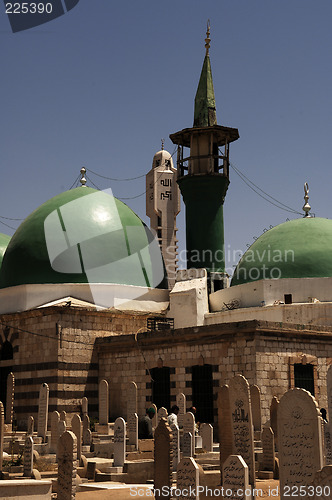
<point x="306" y="207"/>
<point x="83" y="179"/>
<point x="207" y="39"/>
<point x="162" y="144"/>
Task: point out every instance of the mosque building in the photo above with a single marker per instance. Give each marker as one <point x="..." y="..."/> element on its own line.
<point x="88" y="293"/>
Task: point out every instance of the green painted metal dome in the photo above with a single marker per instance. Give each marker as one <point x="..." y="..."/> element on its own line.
<point x="4" y="240"/>
<point x="83" y="236"/>
<point x="301" y="248"/>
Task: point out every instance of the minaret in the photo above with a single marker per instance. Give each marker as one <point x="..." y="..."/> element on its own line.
<point x="162" y="206"/>
<point x="203" y="177"/>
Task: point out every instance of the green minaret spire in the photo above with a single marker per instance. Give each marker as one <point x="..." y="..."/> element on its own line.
<point x="205" y="103"/>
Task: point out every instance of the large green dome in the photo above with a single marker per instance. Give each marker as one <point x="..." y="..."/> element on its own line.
<point x="83" y="236"/>
<point x="300" y="248"/>
<point x="4" y="240"/>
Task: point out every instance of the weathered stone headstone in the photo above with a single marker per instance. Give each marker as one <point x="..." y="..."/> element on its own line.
<point x="187" y="479"/>
<point x="43" y="411"/>
<point x="62" y="427"/>
<point x="175" y="445"/>
<point x="10" y="398"/>
<point x="206" y="432"/>
<point x="162" y="459"/>
<point x="256" y="410"/>
<point x="63" y="416"/>
<point x="2" y="432"/>
<point x="119" y="442"/>
<point x="268" y="462"/>
<point x="274" y="418"/>
<point x="189" y="426"/>
<point x="187" y="444"/>
<point x="224" y="425"/>
<point x="84" y="406"/>
<point x="322" y="484"/>
<point x="182" y="404"/>
<point x="76" y="425"/>
<point x="87" y="435"/>
<point x="55" y="419"/>
<point x="28" y="457"/>
<point x="31" y="425"/>
<point x="241" y="418"/>
<point x="67" y="466"/>
<point x="155" y="418"/>
<point x="162" y="413"/>
<point x="327" y="451"/>
<point x="236" y="478"/>
<point x="132" y="419"/>
<point x="329" y="391"/>
<point x="103" y="402"/>
<point x="300" y="440"/>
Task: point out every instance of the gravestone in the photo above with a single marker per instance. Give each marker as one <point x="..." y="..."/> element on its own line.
<point x="162" y="413"/>
<point x="132" y="419"/>
<point x="322" y="484"/>
<point x="206" y="432"/>
<point x="10" y="398"/>
<point x="28" y="457"/>
<point x="62" y="427"/>
<point x="327" y="443"/>
<point x="119" y="442"/>
<point x="242" y="428"/>
<point x="175" y="445"/>
<point x="67" y="466"/>
<point x="84" y="406"/>
<point x="162" y="459"/>
<point x="76" y="425"/>
<point x="329" y="391"/>
<point x="31" y="424"/>
<point x="43" y="411"/>
<point x="87" y="434"/>
<point x="103" y="402"/>
<point x="187" y="479"/>
<point x="187" y="444"/>
<point x="55" y="419"/>
<point x="236" y="478"/>
<point x="2" y="433"/>
<point x="300" y="440"/>
<point x="155" y="417"/>
<point x="268" y="462"/>
<point x="182" y="404"/>
<point x="256" y="410"/>
<point x="189" y="426"/>
<point x="63" y="416"/>
<point x="224" y="425"/>
<point x="274" y="418"/>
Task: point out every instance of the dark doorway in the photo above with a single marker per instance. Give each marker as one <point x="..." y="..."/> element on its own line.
<point x="202" y="385"/>
<point x="6" y="353"/>
<point x="304" y="377"/>
<point x="161" y="387"/>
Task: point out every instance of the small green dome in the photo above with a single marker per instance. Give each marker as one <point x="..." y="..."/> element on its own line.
<point x="301" y="248"/>
<point x="4" y="240"/>
<point x="83" y="236"/>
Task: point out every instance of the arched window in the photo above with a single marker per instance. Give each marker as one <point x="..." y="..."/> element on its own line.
<point x="304" y="377"/>
<point x="6" y="351"/>
<point x="202" y="387"/>
<point x="161" y="387"/>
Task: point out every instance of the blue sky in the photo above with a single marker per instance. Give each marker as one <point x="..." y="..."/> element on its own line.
<point x="100" y="86"/>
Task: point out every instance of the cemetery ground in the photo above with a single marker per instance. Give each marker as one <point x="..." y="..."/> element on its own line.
<point x="64" y="458"/>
